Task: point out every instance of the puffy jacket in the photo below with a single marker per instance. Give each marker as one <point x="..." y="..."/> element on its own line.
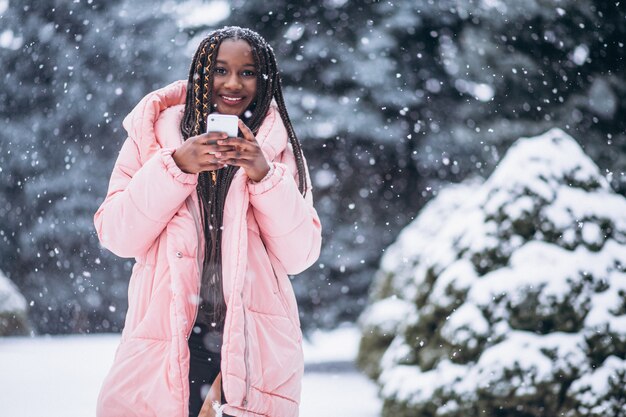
<point x="151" y="213"/>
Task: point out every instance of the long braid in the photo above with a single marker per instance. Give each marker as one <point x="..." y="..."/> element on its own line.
<point x="295" y="143"/>
<point x="188" y="123"/>
<point x="197" y="92"/>
<point x="212" y="195"/>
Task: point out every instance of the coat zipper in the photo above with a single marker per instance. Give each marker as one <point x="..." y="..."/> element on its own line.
<point x="195" y="218"/>
<point x="246" y="350"/>
<point x="245" y="354"/>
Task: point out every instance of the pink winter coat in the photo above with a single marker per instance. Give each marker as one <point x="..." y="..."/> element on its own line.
<point x="151" y="213"/>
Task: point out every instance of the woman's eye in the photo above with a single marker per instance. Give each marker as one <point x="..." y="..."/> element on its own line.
<point x="248" y="73"/>
<point x="220" y="71"/>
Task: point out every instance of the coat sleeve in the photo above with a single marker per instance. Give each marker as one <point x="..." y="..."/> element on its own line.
<point x="141" y="200"/>
<point x="288" y="222"/>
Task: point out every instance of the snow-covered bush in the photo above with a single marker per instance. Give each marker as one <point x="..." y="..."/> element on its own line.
<point x="508" y="297"/>
<point x="13" y="316"/>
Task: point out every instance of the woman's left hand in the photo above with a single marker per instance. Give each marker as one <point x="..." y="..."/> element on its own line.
<point x="246" y="154"/>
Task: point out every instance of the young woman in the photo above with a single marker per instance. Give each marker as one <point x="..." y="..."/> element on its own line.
<point x="215" y="224"/>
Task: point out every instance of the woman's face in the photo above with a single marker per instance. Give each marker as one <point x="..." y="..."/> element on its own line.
<point x="234" y="78"/>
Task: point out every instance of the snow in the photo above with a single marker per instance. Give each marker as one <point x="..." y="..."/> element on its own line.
<point x="602" y="99"/>
<point x="574" y="204"/>
<point x="11" y="301"/>
<point x="480" y="91"/>
<point x="63" y="373"/>
<point x="340" y="344"/>
<point x="542" y="161"/>
<point x="536" y="266"/>
<point x="407" y="383"/>
<point x="464" y="323"/>
<point x="526" y="351"/>
<point x="598" y="383"/>
<point x="521" y="350"/>
<point x="514" y="285"/>
<point x="387" y="313"/>
<point x="415" y="238"/>
<point x="197" y="13"/>
<point x="294" y="32"/>
<point x="8" y="40"/>
<point x="324" y="178"/>
<point x="580" y="54"/>
<point x="457" y="278"/>
<point x="338" y="395"/>
<point x="61" y="376"/>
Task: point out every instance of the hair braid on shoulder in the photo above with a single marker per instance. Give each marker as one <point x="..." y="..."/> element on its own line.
<point x="189" y="123"/>
<point x="197" y="93"/>
<point x="276" y="92"/>
<point x="273" y="90"/>
<point x="295" y="143"/>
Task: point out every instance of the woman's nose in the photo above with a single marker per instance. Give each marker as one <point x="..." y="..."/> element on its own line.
<point x="233" y="81"/>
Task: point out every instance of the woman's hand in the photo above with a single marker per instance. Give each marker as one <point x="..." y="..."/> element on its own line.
<point x="245" y="153"/>
<point x="199" y="153"/>
<point x="214" y="395"/>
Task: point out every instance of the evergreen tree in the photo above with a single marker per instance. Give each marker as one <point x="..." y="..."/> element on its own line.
<point x="73" y="71"/>
<point x="506" y="297"/>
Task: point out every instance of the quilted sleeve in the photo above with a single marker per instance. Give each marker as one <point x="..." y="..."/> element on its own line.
<point x="141" y="200"/>
<point x="288" y="222"/>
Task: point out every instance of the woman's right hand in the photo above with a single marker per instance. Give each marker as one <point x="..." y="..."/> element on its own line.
<point x="201" y="153"/>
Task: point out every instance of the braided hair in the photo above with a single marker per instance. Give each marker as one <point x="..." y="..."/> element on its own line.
<point x="212" y="194"/>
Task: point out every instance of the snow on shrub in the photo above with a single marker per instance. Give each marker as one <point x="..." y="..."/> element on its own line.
<point x="507" y="297"/>
<point x="13" y="316"/>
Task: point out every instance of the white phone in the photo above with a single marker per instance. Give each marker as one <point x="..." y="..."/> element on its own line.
<point x="223" y="123"/>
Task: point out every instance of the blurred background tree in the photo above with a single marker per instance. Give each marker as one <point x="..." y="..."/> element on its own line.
<point x="71" y="71"/>
<point x="392" y="100"/>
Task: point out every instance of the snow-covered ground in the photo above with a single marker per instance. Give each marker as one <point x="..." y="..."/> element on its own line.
<point x="61" y="375"/>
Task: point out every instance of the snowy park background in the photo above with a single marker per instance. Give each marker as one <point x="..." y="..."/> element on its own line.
<point x="468" y="163"/>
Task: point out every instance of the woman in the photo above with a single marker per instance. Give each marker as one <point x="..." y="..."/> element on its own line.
<point x="215" y="225"/>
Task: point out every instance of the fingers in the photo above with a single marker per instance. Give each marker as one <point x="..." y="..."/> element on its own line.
<point x="209" y="143"/>
<point x="237" y="162"/>
<point x="211" y="138"/>
<point x="215" y="149"/>
<point x="234" y="155"/>
<point x="247" y="133"/>
<point x="204" y="137"/>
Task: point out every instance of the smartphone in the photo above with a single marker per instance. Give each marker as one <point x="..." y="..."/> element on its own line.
<point x="223" y="123"/>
